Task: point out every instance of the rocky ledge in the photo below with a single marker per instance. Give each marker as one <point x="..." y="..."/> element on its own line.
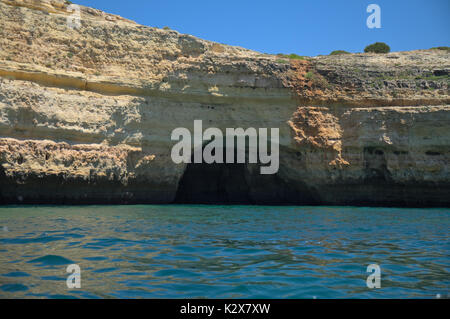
<point x="86" y="116"/>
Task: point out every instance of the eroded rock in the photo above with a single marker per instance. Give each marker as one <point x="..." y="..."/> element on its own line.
<point x="86" y="116"/>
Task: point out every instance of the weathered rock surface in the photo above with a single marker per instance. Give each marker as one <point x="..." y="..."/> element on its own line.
<point x="86" y="116"/>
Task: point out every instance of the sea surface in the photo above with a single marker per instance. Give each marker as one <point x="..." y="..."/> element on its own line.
<point x="223" y="251"/>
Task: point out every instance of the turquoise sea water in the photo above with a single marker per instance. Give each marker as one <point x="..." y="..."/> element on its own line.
<point x="223" y="251"/>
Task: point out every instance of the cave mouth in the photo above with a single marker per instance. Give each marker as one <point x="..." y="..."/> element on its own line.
<point x="214" y="184"/>
<point x="237" y="184"/>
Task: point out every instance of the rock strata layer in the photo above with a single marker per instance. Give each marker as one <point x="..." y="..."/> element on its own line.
<point x="86" y="116"/>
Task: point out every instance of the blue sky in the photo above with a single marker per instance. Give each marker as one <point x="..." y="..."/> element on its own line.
<point x="305" y="27"/>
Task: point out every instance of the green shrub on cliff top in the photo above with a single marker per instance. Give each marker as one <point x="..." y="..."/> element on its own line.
<point x="441" y="48"/>
<point x="338" y="52"/>
<point x="378" y="47"/>
<point x="291" y="56"/>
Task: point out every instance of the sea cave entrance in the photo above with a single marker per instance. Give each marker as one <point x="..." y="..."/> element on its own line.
<point x="214" y="184"/>
<point x="233" y="184"/>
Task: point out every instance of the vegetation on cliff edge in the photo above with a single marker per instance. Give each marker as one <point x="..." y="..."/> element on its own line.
<point x="378" y="47"/>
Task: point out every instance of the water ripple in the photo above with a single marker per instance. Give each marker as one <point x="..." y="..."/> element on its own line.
<point x="223" y="252"/>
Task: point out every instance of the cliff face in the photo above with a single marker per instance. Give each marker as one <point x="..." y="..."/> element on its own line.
<point x="86" y="116"/>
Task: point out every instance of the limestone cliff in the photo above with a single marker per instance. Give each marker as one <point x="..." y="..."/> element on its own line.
<point x="86" y="116"/>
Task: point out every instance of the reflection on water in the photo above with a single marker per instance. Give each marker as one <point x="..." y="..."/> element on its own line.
<point x="223" y="252"/>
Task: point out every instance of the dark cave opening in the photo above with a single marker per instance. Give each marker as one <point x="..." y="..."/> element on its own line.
<point x="214" y="184"/>
<point x="237" y="184"/>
